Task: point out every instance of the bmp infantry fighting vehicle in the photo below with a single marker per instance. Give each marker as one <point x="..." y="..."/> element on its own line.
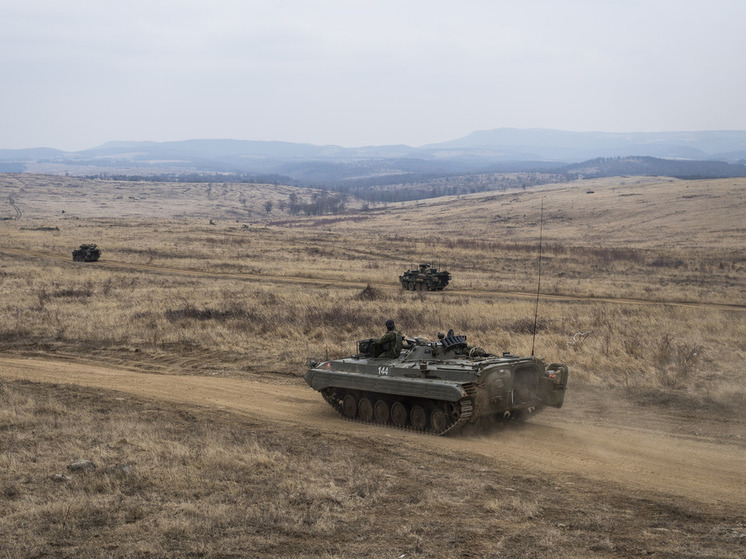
<point x="86" y="253"/>
<point x="425" y="278"/>
<point x="436" y="387"/>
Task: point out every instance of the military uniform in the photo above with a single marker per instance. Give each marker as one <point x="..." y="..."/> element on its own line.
<point x="390" y="343"/>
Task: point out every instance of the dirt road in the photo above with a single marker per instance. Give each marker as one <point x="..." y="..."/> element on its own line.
<point x="618" y="445"/>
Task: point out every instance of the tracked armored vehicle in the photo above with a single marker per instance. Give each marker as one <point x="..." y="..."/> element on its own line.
<point x="426" y="278"/>
<point x="436" y="387"/>
<point x="86" y="253"/>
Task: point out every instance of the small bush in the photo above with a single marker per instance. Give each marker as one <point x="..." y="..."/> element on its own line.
<point x="370" y="293"/>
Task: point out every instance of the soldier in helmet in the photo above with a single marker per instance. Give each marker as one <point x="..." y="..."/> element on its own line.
<point x="390" y="343"/>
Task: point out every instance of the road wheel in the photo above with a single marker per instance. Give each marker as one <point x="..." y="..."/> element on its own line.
<point x="399" y="414"/>
<point x="411" y="286"/>
<point x="365" y="409"/>
<point x="418" y="415"/>
<point x="381" y="411"/>
<point x="349" y="406"/>
<point x="438" y="420"/>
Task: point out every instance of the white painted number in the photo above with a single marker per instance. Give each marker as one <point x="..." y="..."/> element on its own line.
<point x="383" y="370"/>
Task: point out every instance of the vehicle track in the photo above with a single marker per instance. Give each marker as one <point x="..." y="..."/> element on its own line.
<point x="632" y="454"/>
<point x="16" y="209"/>
<point x="352" y="284"/>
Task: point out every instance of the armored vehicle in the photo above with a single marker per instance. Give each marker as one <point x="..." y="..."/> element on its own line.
<point x="425" y="278"/>
<point x="436" y="387"/>
<point x="86" y="253"/>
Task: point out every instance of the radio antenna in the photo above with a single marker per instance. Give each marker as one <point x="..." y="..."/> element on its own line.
<point x="538" y="288"/>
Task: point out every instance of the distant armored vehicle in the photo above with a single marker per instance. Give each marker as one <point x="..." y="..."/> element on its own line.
<point x="436" y="387"/>
<point x="86" y="253"/>
<point x="426" y="278"/>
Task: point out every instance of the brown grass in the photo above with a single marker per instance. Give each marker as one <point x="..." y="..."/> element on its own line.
<point x="226" y="297"/>
<point x="175" y="482"/>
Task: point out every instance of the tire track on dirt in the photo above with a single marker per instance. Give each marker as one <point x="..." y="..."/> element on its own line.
<point x="352" y="284"/>
<point x="556" y="444"/>
<point x="17" y="210"/>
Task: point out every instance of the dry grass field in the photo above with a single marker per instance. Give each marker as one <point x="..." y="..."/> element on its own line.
<point x="643" y="296"/>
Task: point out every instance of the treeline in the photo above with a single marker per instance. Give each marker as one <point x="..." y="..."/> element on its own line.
<point x="199" y="178"/>
<point x="392" y="184"/>
<point x="322" y="202"/>
<point x="394" y="189"/>
<point x="381" y="189"/>
<point x="676" y="168"/>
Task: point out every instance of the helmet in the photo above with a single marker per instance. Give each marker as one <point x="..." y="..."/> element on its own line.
<point x="390" y="324"/>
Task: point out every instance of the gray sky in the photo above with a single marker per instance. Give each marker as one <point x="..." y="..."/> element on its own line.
<point x="77" y="73"/>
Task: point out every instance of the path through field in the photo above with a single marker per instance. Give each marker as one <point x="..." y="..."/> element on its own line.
<point x="609" y="443"/>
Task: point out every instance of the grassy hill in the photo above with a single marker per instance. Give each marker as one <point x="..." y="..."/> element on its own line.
<point x="643" y="296"/>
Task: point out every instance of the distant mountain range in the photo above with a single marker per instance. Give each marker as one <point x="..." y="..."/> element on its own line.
<point x="488" y="151"/>
<point x="571" y="147"/>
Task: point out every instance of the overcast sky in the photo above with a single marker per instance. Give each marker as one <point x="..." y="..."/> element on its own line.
<point x="77" y="73"/>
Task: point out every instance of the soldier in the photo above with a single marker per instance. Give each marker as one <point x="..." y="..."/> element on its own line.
<point x="391" y="342"/>
<point x="474" y="351"/>
<point x="468" y="350"/>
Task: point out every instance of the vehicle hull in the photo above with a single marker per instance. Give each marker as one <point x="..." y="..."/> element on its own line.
<point x="437" y="380"/>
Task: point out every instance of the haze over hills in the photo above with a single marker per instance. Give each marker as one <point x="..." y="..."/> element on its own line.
<point x="571" y="147"/>
<point x="489" y="151"/>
